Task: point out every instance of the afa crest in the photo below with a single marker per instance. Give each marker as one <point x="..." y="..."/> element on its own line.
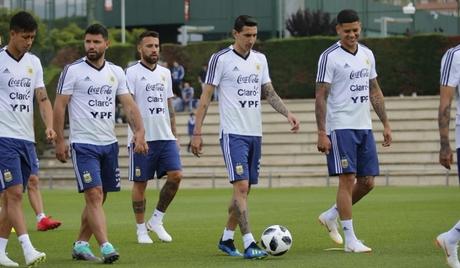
<point x="112" y="80"/>
<point x="344" y="162"/>
<point x="87" y="177"/>
<point x="257" y="67"/>
<point x="138" y="171"/>
<point x="163" y="78"/>
<point x="7" y="176"/>
<point x="239" y="169"/>
<point x="30" y="71"/>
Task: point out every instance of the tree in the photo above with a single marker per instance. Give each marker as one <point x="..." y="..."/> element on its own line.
<point x="307" y="23"/>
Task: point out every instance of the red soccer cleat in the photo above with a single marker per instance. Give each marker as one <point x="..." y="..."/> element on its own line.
<point x="47" y="223"/>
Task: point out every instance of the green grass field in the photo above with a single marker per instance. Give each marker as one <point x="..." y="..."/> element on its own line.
<point x="400" y="225"/>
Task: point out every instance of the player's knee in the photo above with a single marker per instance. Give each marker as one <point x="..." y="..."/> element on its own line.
<point x="14" y="194"/>
<point x="94" y="195"/>
<point x="367" y="182"/>
<point x="175" y="178"/>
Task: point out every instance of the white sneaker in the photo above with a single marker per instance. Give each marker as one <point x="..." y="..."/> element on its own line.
<point x="159" y="230"/>
<point x="332" y="227"/>
<point x="449" y="249"/>
<point x="5" y="261"/>
<point x="34" y="257"/>
<point x="143" y="238"/>
<point x="356" y="246"/>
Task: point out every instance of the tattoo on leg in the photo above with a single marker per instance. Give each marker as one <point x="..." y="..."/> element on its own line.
<point x="167" y="194"/>
<point x="242" y="216"/>
<point x="139" y="206"/>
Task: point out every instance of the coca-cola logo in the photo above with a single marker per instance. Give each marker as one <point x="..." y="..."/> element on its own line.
<point x="105" y="89"/>
<point x="21" y="82"/>
<point x="359" y="74"/>
<point x="253" y="78"/>
<point x="154" y="87"/>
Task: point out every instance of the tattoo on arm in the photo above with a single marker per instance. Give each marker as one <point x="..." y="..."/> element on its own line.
<point x="167" y="194"/>
<point x="41" y="94"/>
<point x="139" y="206"/>
<point x="172" y="118"/>
<point x="443" y="123"/>
<point x="275" y="101"/>
<point x="377" y="101"/>
<point x="322" y="93"/>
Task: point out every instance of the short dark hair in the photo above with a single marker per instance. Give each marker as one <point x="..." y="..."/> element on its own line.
<point x="347" y="16"/>
<point x="23" y="22"/>
<point x="97" y="29"/>
<point x="244" y="20"/>
<point x="148" y="34"/>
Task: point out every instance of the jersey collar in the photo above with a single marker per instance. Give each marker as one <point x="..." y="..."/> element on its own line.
<point x="9" y="54"/>
<point x="348" y="51"/>
<point x="241" y="56"/>
<point x="147" y="67"/>
<point x="92" y="66"/>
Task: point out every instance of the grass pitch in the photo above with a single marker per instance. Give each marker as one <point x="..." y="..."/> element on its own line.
<point x="400" y="224"/>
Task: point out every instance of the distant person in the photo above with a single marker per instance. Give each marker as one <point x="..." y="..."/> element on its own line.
<point x="89" y="87"/>
<point x="449" y="87"/>
<point x="21" y="81"/>
<point x="177" y="75"/>
<point x="242" y="75"/>
<point x="150" y="85"/>
<point x="187" y="96"/>
<point x="346" y="84"/>
<point x="202" y="81"/>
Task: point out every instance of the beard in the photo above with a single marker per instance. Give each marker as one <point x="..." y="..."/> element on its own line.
<point x="151" y="60"/>
<point x="94" y="55"/>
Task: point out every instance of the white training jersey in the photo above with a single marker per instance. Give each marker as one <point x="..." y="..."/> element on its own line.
<point x="151" y="90"/>
<point x="18" y="81"/>
<point x="450" y="77"/>
<point x="348" y="74"/>
<point x="239" y="81"/>
<point x="93" y="94"/>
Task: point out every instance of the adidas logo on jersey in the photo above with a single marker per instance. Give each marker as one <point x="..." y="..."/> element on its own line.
<point x="87" y="79"/>
<point x="143" y="78"/>
<point x="6" y="71"/>
<point x="236" y="69"/>
<point x="346" y="66"/>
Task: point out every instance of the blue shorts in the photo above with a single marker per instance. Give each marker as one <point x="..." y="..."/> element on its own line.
<point x="353" y="151"/>
<point x="18" y="160"/>
<point x="96" y="165"/>
<point x="242" y="156"/>
<point x="163" y="156"/>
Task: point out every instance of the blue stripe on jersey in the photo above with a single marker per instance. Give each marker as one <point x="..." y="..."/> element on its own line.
<point x="323" y="62"/>
<point x="63" y="74"/>
<point x="213" y="64"/>
<point x="445" y="73"/>
<point x="2" y="49"/>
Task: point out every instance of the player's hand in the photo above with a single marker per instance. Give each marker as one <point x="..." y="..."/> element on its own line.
<point x="446" y="156"/>
<point x="50" y="135"/>
<point x="140" y="146"/>
<point x="324" y="144"/>
<point x="197" y="145"/>
<point x="386" y="136"/>
<point x="62" y="151"/>
<point x="295" y="123"/>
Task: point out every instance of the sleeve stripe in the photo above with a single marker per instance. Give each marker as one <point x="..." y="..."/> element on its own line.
<point x="445" y="73"/>
<point x="63" y="74"/>
<point x="323" y="63"/>
<point x="212" y="65"/>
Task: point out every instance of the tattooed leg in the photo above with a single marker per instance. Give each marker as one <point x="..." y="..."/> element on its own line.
<point x="139" y="201"/>
<point x="169" y="190"/>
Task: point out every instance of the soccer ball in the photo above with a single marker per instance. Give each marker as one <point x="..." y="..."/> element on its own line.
<point x="276" y="240"/>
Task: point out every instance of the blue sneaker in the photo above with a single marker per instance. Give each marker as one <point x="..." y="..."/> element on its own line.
<point x="228" y="247"/>
<point x="83" y="252"/>
<point x="254" y="252"/>
<point x="109" y="254"/>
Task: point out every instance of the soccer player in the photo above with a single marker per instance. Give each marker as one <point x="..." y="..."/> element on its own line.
<point x="241" y="75"/>
<point x="345" y="85"/>
<point x="89" y="87"/>
<point x="450" y="80"/>
<point x="151" y="86"/>
<point x="21" y="77"/>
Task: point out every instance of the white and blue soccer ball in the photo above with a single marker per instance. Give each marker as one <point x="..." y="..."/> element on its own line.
<point x="276" y="240"/>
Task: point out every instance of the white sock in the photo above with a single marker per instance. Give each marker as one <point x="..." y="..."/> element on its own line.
<point x="228" y="234"/>
<point x="247" y="240"/>
<point x="24" y="240"/>
<point x="3" y="243"/>
<point x="157" y="217"/>
<point x="40" y="216"/>
<point x="347" y="226"/>
<point x="453" y="235"/>
<point x="332" y="213"/>
<point x="141" y="228"/>
<point x="81" y="242"/>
